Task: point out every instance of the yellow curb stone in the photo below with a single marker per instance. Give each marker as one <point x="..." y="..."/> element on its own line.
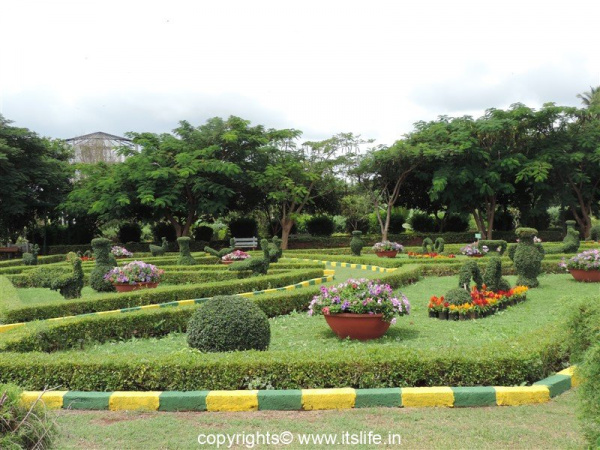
<point x="10" y="326"/>
<point x="571" y="372"/>
<point x="52" y="399"/>
<point x="232" y="401"/>
<point x="186" y="302"/>
<point x="521" y="395"/>
<point x="150" y="306"/>
<point x="132" y="401"/>
<point x="427" y="396"/>
<point x="342" y="398"/>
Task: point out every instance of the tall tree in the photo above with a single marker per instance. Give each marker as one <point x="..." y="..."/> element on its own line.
<point x="590" y="98"/>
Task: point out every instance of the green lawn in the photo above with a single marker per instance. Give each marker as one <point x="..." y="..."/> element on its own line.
<point x="549" y="425"/>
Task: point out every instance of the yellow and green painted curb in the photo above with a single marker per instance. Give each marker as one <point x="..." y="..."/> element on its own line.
<point x="349" y="265"/>
<point x="309" y="399"/>
<point x="328" y="276"/>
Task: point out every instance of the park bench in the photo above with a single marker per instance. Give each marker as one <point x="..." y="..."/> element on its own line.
<point x="245" y="242"/>
<point x="12" y="251"/>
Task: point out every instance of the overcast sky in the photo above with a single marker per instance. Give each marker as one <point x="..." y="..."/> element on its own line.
<point x="370" y="67"/>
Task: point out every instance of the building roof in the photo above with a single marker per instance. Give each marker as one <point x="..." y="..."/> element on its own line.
<point x="98" y="135"/>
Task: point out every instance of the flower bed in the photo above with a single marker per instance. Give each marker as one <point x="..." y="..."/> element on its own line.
<point x="473" y="250"/>
<point x="237" y="255"/>
<point x="133" y="273"/>
<point x="483" y="303"/>
<point x="584" y="266"/>
<point x="430" y="255"/>
<point x="121" y="252"/>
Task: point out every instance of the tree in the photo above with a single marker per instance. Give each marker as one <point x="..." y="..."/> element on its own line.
<point x="356" y="208"/>
<point x="34" y="175"/>
<point x="590" y="98"/>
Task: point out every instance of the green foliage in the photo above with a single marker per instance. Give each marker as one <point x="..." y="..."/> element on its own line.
<point x="104" y="263"/>
<point x="70" y="285"/>
<point x="258" y="265"/>
<point x="224" y="251"/>
<point x="492" y="276"/>
<point x="203" y="233"/>
<point x="527" y="258"/>
<point x="356" y="243"/>
<point x="159" y="250"/>
<point x="589" y="396"/>
<point x="356" y="207"/>
<point x="427" y="245"/>
<point x="23" y="427"/>
<point x="44" y="276"/>
<point x="226" y="324"/>
<point x="185" y="256"/>
<point x="422" y="222"/>
<point x="512" y="248"/>
<point x="275" y="251"/>
<point x="469" y="271"/>
<point x="583" y="329"/>
<point x="30" y="259"/>
<point x="130" y="232"/>
<point x="571" y="241"/>
<point x="458" y="296"/>
<point x="503" y="221"/>
<point x="244" y="227"/>
<point x="456" y="223"/>
<point x="493" y="246"/>
<point x="320" y="226"/>
<point x="595" y="233"/>
<point x="162" y="230"/>
<point x="439" y="245"/>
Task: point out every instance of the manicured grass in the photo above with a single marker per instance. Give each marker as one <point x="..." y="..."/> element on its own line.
<point x="549" y="425"/>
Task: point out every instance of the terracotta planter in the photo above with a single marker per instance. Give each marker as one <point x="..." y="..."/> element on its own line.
<point x="475" y="256"/>
<point x="227" y="262"/>
<point x="387" y="254"/>
<point x="588" y="276"/>
<point x="362" y="327"/>
<point x="124" y="287"/>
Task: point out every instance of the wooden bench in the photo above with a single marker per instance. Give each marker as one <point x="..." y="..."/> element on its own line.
<point x="245" y="242"/>
<point x="11" y="251"/>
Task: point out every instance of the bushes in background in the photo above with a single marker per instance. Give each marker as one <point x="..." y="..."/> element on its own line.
<point x="504" y="221"/>
<point x="244" y="227"/>
<point x="203" y="233"/>
<point x="163" y="230"/>
<point x="422" y="222"/>
<point x="595" y="233"/>
<point x="130" y="232"/>
<point x="456" y="223"/>
<point x="320" y="226"/>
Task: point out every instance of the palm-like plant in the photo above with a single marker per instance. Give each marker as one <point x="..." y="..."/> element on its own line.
<point x="590" y="98"/>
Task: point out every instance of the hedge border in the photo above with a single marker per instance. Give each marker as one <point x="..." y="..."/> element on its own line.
<point x="309" y="399"/>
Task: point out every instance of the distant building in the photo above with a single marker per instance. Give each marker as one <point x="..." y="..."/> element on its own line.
<point x="98" y="147"/>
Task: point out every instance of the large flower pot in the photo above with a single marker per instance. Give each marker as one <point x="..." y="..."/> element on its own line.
<point x="125" y="287"/>
<point x="387" y="254"/>
<point x="227" y="262"/>
<point x="357" y="326"/>
<point x="589" y="276"/>
<point x="475" y="256"/>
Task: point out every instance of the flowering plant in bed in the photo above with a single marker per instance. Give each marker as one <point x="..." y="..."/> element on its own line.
<point x="472" y="250"/>
<point x="360" y="301"/>
<point x="135" y="275"/>
<point x="237" y="255"/>
<point x="387" y="249"/>
<point x="430" y="255"/>
<point x="584" y="266"/>
<point x="121" y="252"/>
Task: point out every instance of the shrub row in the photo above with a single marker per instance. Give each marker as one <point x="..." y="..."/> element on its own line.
<point x="9" y="295"/>
<point x="41" y="260"/>
<point x="151" y="296"/>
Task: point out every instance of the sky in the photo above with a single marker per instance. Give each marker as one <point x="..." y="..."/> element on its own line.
<point x="373" y="68"/>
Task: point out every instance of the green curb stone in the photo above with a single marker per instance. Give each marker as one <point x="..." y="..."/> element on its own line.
<point x="280" y="400"/>
<point x="474" y="396"/>
<point x="370" y="398"/>
<point x="182" y="401"/>
<point x="86" y="400"/>
<point x="557" y="384"/>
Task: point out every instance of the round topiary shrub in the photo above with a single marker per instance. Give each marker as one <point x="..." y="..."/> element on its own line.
<point x="203" y="233"/>
<point x="320" y="226"/>
<point x="105" y="261"/>
<point x="595" y="233"/>
<point x="185" y="256"/>
<point x="356" y="243"/>
<point x="130" y="232"/>
<point x="527" y="258"/>
<point x="244" y="227"/>
<point x="458" y="296"/>
<point x="229" y="323"/>
<point x="422" y="222"/>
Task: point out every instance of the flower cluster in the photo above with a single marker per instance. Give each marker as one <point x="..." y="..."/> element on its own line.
<point x="429" y="255"/>
<point x="387" y="246"/>
<point x="121" y="251"/>
<point x="483" y="302"/>
<point x="473" y="250"/>
<point x="236" y="255"/>
<point x="587" y="260"/>
<point x="134" y="272"/>
<point x="537" y="240"/>
<point x="360" y="297"/>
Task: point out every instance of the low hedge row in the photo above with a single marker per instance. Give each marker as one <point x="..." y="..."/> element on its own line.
<point x="151" y="296"/>
<point x="9" y="294"/>
<point x="41" y="260"/>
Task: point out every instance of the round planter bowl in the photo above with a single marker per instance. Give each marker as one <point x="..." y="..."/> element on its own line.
<point x="123" y="287"/>
<point x="227" y="262"/>
<point x="588" y="276"/>
<point x="475" y="256"/>
<point x="362" y="327"/>
<point x="387" y="254"/>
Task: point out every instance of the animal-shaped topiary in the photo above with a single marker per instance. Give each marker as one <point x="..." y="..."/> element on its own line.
<point x="527" y="258"/>
<point x="185" y="256"/>
<point x="159" y="250"/>
<point x="70" y="285"/>
<point x="275" y="251"/>
<point x="492" y="279"/>
<point x="224" y="251"/>
<point x="438" y="245"/>
<point x="30" y="259"/>
<point x="356" y="243"/>
<point x="571" y="240"/>
<point x="105" y="261"/>
<point x="427" y="245"/>
<point x="258" y="266"/>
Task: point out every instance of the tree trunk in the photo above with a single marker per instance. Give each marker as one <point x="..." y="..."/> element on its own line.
<point x="479" y="222"/>
<point x="286" y="228"/>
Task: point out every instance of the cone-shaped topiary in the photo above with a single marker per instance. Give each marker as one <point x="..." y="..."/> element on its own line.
<point x="185" y="257"/>
<point x="224" y="251"/>
<point x="356" y="243"/>
<point x="229" y="323"/>
<point x="258" y="266"/>
<point x="105" y="261"/>
<point x="492" y="277"/>
<point x="571" y="240"/>
<point x="527" y="258"/>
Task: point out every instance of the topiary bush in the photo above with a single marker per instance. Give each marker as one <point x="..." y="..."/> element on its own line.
<point x="275" y="251"/>
<point x="595" y="233"/>
<point x="244" y="227"/>
<point x="422" y="222"/>
<point x="70" y="284"/>
<point x="493" y="246"/>
<point x="571" y="241"/>
<point x="228" y="323"/>
<point x="258" y="266"/>
<point x="130" y="232"/>
<point x="492" y="277"/>
<point x="430" y="246"/>
<point x="224" y="251"/>
<point x="427" y="245"/>
<point x="320" y="226"/>
<point x="439" y="245"/>
<point x="105" y="261"/>
<point x="159" y="250"/>
<point x="356" y="243"/>
<point x="203" y="233"/>
<point x="30" y="259"/>
<point x="163" y="230"/>
<point x="527" y="258"/>
<point x="458" y="296"/>
<point x="185" y="256"/>
<point x="469" y="271"/>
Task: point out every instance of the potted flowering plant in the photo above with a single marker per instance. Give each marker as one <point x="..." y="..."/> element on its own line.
<point x="473" y="251"/>
<point x="237" y="255"/>
<point x="120" y="252"/>
<point x="133" y="276"/>
<point x="584" y="266"/>
<point x="359" y="309"/>
<point x="387" y="249"/>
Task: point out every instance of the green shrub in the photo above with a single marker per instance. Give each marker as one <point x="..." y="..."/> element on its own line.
<point x="589" y="396"/>
<point x="595" y="233"/>
<point x="571" y="240"/>
<point x="21" y="426"/>
<point x="356" y="243"/>
<point x="130" y="232"/>
<point x="423" y="222"/>
<point x="493" y="246"/>
<point x="163" y="230"/>
<point x="203" y="233"/>
<point x="457" y="296"/>
<point x="439" y="245"/>
<point x="244" y="227"/>
<point x="30" y="259"/>
<point x="224" y="251"/>
<point x="469" y="271"/>
<point x="527" y="258"/>
<point x="430" y="246"/>
<point x="320" y="226"/>
<point x="427" y="245"/>
<point x="456" y="223"/>
<point x="104" y="263"/>
<point x="274" y="249"/>
<point x="159" y="250"/>
<point x="258" y="265"/>
<point x="503" y="221"/>
<point x="225" y="324"/>
<point x="492" y="277"/>
<point x="185" y="256"/>
<point x="70" y="284"/>
<point x="42" y="277"/>
<point x="583" y="329"/>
